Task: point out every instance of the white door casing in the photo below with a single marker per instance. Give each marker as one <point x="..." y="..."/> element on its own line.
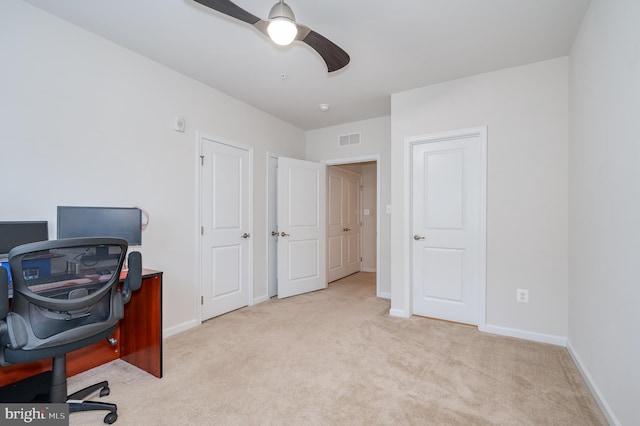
<point x="272" y="225"/>
<point x="226" y="176"/>
<point x="448" y="230"/>
<point x="343" y="223"/>
<point x="381" y="267"/>
<point x="302" y="227"/>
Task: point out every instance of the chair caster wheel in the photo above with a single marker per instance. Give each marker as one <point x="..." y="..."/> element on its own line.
<point x="110" y="418"/>
<point x="104" y="392"/>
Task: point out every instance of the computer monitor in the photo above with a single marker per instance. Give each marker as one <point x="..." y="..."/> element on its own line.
<point x="119" y="222"/>
<point x="13" y="234"/>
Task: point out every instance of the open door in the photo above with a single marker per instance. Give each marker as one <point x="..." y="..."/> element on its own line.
<point x="302" y="226"/>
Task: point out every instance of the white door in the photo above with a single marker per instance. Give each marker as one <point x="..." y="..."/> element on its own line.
<point x="446" y="228"/>
<point x="225" y="227"/>
<point x="302" y="227"/>
<point x="344" y="223"/>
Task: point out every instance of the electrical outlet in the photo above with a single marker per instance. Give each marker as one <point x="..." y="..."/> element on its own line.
<point x="522" y="295"/>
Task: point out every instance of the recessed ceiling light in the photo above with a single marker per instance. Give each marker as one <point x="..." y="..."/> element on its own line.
<point x="324" y="107"/>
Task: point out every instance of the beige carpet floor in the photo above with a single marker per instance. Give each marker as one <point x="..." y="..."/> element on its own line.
<point x="335" y="357"/>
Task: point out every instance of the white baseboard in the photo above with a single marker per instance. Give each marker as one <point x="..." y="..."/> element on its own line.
<point x="399" y="313"/>
<point x="260" y="300"/>
<point x="367" y="269"/>
<point x="179" y="328"/>
<point x="384" y="295"/>
<point x="527" y="335"/>
<point x="595" y="391"/>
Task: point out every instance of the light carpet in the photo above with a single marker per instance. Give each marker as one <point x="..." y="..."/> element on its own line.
<point x="336" y="357"/>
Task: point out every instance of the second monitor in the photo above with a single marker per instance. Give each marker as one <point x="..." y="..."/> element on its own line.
<point x="118" y="222"/>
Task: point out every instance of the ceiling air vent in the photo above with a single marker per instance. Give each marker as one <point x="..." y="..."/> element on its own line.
<point x="352" y="139"/>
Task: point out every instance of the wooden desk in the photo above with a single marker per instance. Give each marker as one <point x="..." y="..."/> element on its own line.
<point x="138" y="338"/>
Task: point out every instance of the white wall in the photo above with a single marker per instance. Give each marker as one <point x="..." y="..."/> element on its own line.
<point x="525" y="109"/>
<point x="322" y="145"/>
<point x="604" y="205"/>
<point x="86" y="122"/>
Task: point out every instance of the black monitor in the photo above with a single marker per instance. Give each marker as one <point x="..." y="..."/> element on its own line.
<point x="13" y="234"/>
<point x="119" y="222"/>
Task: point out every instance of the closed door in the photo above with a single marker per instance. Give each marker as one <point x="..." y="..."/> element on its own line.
<point x="344" y="223"/>
<point x="225" y="227"/>
<point x="301" y="214"/>
<point x="446" y="235"/>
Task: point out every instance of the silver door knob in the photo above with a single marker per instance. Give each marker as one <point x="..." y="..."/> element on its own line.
<point x="274" y="233"/>
<point x="246" y="235"/>
<point x="284" y="234"/>
<point x="418" y="237"/>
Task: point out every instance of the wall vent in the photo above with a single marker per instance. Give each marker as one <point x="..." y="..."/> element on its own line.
<point x="352" y="139"/>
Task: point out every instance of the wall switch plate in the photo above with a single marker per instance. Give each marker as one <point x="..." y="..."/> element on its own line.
<point x="367" y="212"/>
<point x="522" y="295"/>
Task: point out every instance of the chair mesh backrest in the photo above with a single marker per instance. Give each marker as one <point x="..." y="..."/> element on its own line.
<point x="62" y="286"/>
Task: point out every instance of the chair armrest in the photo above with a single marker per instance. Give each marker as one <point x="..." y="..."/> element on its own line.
<point x="133" y="282"/>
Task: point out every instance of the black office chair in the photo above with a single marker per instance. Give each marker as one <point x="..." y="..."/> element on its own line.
<point x="65" y="296"/>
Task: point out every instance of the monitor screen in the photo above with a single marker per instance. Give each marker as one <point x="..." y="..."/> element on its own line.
<point x="118" y="222"/>
<point x="13" y="234"/>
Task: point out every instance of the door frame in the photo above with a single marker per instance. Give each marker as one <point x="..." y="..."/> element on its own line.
<point x="409" y="142"/>
<point x="360" y="214"/>
<point x="200" y="137"/>
<point x="364" y="159"/>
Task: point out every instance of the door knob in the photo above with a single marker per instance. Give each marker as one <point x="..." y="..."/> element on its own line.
<point x="418" y="237"/>
<point x="274" y="233"/>
<point x="347" y="229"/>
<point x="246" y="235"/>
<point x="284" y="234"/>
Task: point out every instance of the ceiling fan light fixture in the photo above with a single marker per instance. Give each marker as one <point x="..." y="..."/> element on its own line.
<point x="282" y="24"/>
<point x="282" y="31"/>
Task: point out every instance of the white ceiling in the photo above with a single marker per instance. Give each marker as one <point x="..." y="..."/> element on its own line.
<point x="394" y="46"/>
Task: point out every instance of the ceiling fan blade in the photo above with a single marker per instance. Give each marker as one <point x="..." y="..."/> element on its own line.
<point x="230" y="9"/>
<point x="333" y="55"/>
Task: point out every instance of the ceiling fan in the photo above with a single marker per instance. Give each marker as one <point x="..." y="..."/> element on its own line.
<point x="283" y="29"/>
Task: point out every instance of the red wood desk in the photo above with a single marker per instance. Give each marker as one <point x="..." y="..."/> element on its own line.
<point x="138" y="338"/>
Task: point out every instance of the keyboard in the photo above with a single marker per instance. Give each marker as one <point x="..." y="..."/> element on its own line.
<point x="51" y="279"/>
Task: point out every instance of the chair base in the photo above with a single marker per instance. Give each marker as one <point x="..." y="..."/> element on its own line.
<point x="37" y="389"/>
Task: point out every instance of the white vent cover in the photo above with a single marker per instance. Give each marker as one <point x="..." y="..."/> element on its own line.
<point x="352" y="139"/>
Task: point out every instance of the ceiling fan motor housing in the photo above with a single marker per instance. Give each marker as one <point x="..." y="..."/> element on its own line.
<point x="281" y="10"/>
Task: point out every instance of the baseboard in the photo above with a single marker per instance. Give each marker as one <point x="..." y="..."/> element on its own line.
<point x="179" y="328"/>
<point x="595" y="391"/>
<point x="368" y="270"/>
<point x="384" y="295"/>
<point x="401" y="313"/>
<point x="260" y="299"/>
<point x="527" y="335"/>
